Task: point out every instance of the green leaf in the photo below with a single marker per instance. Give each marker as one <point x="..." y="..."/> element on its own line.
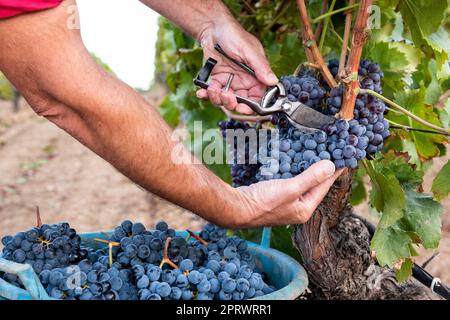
<point x="405" y="272"/>
<point x="434" y="88"/>
<point x="392" y="61"/>
<point x="391" y="244"/>
<point x="408" y="175"/>
<point x="359" y="193"/>
<point x="386" y="195"/>
<point x="423" y="217"/>
<point x="414" y="101"/>
<point x="445" y="114"/>
<point x="281" y="240"/>
<point x="424" y="19"/>
<point x="169" y="111"/>
<point x="422" y="16"/>
<point x="441" y="183"/>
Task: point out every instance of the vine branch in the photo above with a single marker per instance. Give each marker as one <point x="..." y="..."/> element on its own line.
<point x="332" y="12"/>
<point x="351" y="71"/>
<point x="323" y="10"/>
<point x="309" y="42"/>
<point x="404" y="111"/>
<point x="325" y="27"/>
<point x="347" y="29"/>
<point x="408" y="128"/>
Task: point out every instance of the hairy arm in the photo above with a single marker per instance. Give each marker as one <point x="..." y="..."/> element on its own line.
<point x="195" y="17"/>
<point x="49" y="65"/>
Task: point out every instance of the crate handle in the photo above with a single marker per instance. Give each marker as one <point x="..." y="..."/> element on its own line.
<point x="265" y="238"/>
<point x="29" y="279"/>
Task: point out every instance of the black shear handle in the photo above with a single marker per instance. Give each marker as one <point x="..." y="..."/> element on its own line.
<point x="203" y="75"/>
<point x="202" y="81"/>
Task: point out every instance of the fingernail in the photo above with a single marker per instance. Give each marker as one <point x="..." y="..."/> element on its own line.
<point x="272" y="78"/>
<point x="328" y="168"/>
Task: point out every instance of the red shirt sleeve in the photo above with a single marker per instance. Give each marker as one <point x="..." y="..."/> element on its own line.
<point x="9" y="8"/>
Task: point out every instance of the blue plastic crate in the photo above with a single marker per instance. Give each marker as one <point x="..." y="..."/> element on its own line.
<point x="286" y="274"/>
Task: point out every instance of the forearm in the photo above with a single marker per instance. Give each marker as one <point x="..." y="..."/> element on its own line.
<point x="62" y="83"/>
<point x="193" y="16"/>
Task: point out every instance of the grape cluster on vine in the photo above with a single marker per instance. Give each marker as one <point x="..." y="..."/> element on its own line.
<point x="343" y="142"/>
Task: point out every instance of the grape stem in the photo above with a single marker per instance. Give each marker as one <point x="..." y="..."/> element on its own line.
<point x="393" y="110"/>
<point x="325" y="27"/>
<point x="333" y="12"/>
<point x="38" y="217"/>
<point x="347" y="30"/>
<point x="350" y="73"/>
<point x="305" y="64"/>
<point x="110" y="244"/>
<point x="166" y="258"/>
<point x="309" y="42"/>
<point x="193" y="235"/>
<point x="337" y="35"/>
<point x="403" y="110"/>
<point x="408" y="128"/>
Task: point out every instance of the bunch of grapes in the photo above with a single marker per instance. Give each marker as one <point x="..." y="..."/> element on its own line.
<point x="242" y="171"/>
<point x="45" y="247"/>
<point x="304" y="88"/>
<point x="369" y="111"/>
<point x="140" y="246"/>
<point x="89" y="281"/>
<point x="204" y="267"/>
<point x="343" y="142"/>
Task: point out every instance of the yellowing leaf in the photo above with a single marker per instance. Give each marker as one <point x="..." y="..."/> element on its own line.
<point x="405" y="271"/>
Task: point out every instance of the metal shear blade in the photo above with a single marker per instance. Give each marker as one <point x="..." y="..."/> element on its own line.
<point x="308" y="117"/>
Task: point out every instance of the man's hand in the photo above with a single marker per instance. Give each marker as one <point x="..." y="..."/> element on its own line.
<point x="287" y="201"/>
<point x="210" y="22"/>
<point x="242" y="46"/>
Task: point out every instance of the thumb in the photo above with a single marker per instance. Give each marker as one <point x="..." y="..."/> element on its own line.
<point x="257" y="60"/>
<point x="289" y="190"/>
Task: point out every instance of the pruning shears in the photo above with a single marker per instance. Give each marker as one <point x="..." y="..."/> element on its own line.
<point x="273" y="101"/>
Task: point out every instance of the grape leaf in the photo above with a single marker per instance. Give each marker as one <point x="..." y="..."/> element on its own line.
<point x="414" y="101"/>
<point x="392" y="61"/>
<point x="423" y="217"/>
<point x="445" y="114"/>
<point x="434" y="88"/>
<point x="405" y="271"/>
<point x="169" y="111"/>
<point x="441" y="183"/>
<point x="408" y="175"/>
<point x="285" y="57"/>
<point x="386" y="195"/>
<point x="390" y="245"/>
<point x="359" y="193"/>
<point x="423" y="19"/>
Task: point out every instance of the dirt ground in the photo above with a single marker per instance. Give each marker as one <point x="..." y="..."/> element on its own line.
<point x="40" y="165"/>
<point x="43" y="166"/>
